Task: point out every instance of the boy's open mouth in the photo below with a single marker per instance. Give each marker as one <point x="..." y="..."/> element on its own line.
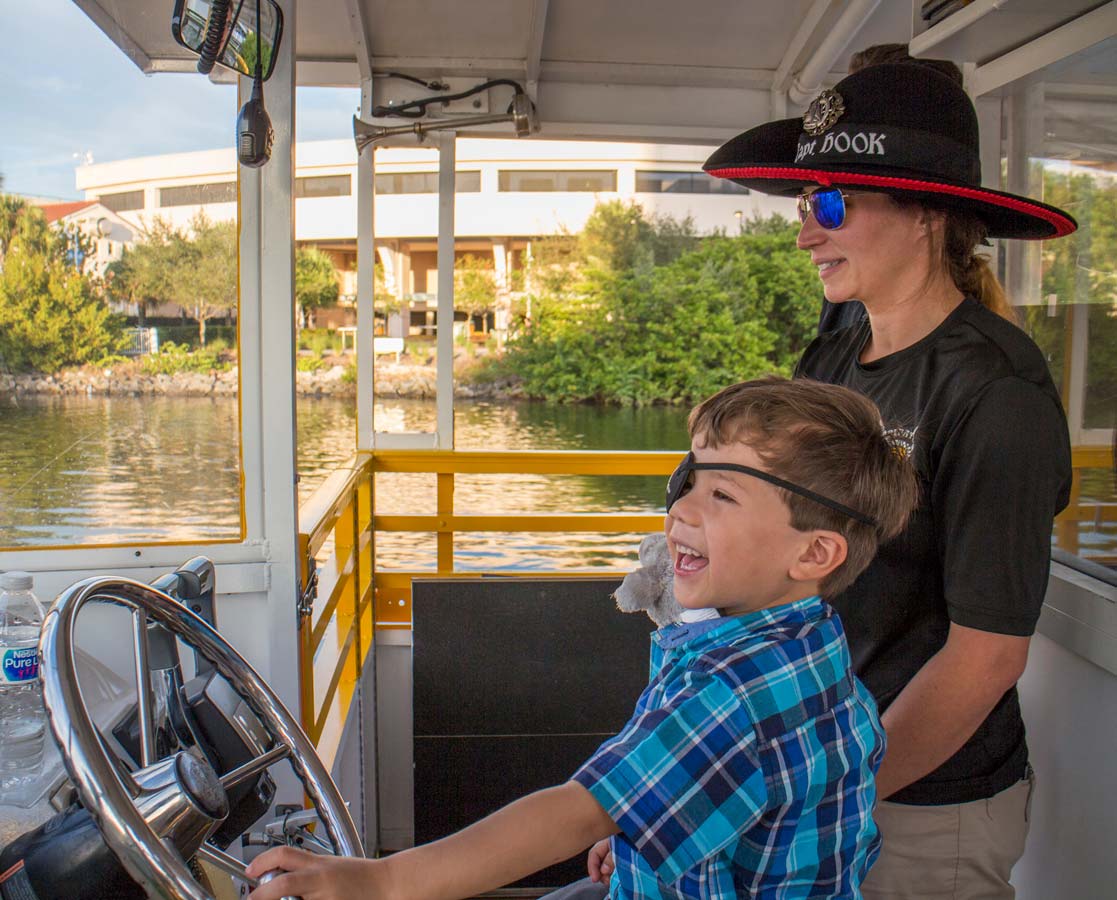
<point x="688" y="560"/>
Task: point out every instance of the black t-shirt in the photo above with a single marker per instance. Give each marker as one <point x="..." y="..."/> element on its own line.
<point x="974" y="405"/>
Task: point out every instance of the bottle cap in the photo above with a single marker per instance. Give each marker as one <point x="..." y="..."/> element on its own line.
<point x="15" y="581"/>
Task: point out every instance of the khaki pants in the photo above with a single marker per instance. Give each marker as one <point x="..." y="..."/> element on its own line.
<point x="960" y="852"/>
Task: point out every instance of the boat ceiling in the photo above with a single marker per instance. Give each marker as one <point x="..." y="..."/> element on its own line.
<point x="654" y="70"/>
<point x="638" y="69"/>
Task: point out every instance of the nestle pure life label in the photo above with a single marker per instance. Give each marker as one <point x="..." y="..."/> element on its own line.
<point x="19" y="665"/>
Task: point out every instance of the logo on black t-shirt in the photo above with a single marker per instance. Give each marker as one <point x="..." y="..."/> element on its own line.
<point x="901" y="440"/>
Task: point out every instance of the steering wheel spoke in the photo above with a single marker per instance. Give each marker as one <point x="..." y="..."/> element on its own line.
<point x="253" y="767"/>
<point x="143" y="686"/>
<point x="228" y="864"/>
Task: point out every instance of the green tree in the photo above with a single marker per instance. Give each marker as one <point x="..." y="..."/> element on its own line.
<point x="248" y="52"/>
<point x="617" y="238"/>
<point x="197" y="271"/>
<point x="316" y="284"/>
<point x="208" y="284"/>
<point x="1081" y="269"/>
<point x="51" y="315"/>
<point x="474" y="285"/>
<point x="149" y="271"/>
<point x="613" y="323"/>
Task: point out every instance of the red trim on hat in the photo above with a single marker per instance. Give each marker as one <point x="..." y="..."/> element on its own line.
<point x="1061" y="223"/>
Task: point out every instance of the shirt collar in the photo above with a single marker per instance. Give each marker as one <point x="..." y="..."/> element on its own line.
<point x="710" y="631"/>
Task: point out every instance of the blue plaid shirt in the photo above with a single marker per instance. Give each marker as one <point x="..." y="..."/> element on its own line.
<point x="747" y="767"/>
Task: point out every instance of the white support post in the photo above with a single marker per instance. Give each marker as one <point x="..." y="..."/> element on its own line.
<point x="989" y="121"/>
<point x="445" y="377"/>
<point x="366" y="262"/>
<point x="267" y="321"/>
<point x="1024" y="119"/>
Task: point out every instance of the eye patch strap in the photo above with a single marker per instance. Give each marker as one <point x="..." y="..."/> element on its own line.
<point x="689" y="466"/>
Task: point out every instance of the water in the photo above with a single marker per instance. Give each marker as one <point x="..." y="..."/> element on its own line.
<point x="95" y="470"/>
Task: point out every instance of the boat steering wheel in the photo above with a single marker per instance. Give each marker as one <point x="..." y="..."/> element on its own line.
<point x="129" y="807"/>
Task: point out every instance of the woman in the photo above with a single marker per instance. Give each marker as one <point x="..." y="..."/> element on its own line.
<point x="886" y="167"/>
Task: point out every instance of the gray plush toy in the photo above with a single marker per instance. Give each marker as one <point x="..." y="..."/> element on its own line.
<point x="649" y="588"/>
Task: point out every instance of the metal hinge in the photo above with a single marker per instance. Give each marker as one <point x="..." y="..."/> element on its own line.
<point x="308" y="594"/>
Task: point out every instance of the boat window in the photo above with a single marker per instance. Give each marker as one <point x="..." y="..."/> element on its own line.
<point x="649" y="182"/>
<point x="1060" y="146"/>
<point x="324" y="186"/>
<point x="197" y="194"/>
<point x="106" y="441"/>
<point x="573" y="180"/>
<point x="124" y="201"/>
<point x="424" y="182"/>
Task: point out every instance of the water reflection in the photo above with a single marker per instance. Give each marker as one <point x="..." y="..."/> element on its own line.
<point x="83" y="470"/>
<point x="520" y="426"/>
<point x="95" y="470"/>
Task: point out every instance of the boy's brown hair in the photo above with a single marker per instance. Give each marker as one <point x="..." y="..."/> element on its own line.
<point x="828" y="439"/>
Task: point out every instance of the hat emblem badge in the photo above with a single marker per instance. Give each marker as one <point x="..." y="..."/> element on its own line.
<point x="824" y="111"/>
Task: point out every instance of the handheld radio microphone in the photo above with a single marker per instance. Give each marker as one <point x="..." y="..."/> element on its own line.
<point x="254" y="131"/>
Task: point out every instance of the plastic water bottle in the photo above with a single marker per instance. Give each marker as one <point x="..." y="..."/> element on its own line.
<point x="22" y="720"/>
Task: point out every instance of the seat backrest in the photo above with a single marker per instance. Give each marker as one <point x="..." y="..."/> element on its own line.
<point x="516" y="682"/>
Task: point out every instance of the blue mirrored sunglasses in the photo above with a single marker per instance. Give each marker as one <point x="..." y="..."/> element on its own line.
<point x="828" y="206"/>
<point x="679" y="483"/>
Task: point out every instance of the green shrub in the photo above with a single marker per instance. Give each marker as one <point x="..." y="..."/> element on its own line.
<point x="621" y="326"/>
<point x="173" y="358"/>
<point x="320" y="340"/>
<point x="187" y="335"/>
<point x="51" y="315"/>
<point x="419" y="348"/>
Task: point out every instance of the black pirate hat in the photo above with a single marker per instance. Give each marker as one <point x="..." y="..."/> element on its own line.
<point x="899" y="128"/>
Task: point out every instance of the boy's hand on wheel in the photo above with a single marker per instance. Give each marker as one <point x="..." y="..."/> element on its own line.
<point x="313" y="877"/>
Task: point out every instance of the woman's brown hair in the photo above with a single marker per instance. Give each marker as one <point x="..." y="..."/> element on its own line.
<point x="954" y="251"/>
<point x="970" y="271"/>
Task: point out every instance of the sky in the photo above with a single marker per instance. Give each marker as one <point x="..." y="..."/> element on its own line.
<point x="69" y="96"/>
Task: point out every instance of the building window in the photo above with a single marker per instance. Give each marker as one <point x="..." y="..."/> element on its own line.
<point x="561" y="181"/>
<point x="123" y="201"/>
<point x="424" y="182"/>
<point x="324" y="186"/>
<point x="198" y="194"/>
<point x="685" y="183"/>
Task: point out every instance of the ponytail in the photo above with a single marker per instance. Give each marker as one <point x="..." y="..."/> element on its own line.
<point x="970" y="272"/>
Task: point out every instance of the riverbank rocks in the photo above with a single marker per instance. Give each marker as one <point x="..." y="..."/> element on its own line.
<point x="392" y="380"/>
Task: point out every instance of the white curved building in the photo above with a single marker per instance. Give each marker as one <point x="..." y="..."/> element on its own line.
<point x="509" y="193"/>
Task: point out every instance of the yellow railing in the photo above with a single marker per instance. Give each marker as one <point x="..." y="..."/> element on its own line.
<point x="335" y="616"/>
<point x="337" y="631"/>
<point x="393" y="589"/>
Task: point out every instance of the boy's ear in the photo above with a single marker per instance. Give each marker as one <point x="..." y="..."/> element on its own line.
<point x="825" y="551"/>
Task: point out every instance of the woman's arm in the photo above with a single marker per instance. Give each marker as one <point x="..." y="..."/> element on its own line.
<point x="534" y="832"/>
<point x="943" y="705"/>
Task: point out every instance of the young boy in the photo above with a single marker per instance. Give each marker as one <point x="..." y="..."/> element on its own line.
<point x="747" y="767"/>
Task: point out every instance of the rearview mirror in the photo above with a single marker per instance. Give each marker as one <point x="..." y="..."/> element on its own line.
<point x="227" y="32"/>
